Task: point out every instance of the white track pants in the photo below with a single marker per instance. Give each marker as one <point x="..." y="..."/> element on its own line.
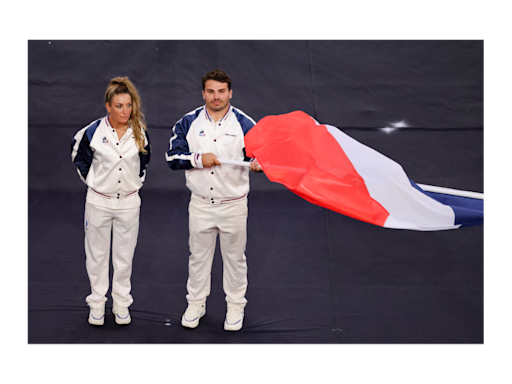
<point x="100" y="222"/>
<point x="206" y="221"/>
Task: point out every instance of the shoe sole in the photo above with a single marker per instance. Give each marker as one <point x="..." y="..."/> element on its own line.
<point x="121" y="321"/>
<point x="94" y="321"/>
<point x="191" y="324"/>
<point x="233" y="327"/>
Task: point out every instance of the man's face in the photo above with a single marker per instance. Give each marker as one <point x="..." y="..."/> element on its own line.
<point x="216" y="95"/>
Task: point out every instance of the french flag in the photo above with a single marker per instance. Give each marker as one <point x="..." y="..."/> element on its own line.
<point x="326" y="167"/>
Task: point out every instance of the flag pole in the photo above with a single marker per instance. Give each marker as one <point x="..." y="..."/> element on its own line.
<point x="449" y="191"/>
<point x="235" y="162"/>
<point x="427" y="188"/>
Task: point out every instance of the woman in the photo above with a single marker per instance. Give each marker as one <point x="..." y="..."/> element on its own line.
<point x="111" y="155"/>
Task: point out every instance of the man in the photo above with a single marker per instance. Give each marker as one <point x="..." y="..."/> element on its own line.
<point x="218" y="203"/>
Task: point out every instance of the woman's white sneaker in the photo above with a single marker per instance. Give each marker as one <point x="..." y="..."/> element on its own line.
<point x="97" y="316"/>
<point x="122" y="315"/>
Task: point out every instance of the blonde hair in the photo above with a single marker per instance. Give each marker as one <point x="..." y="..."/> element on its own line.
<point x="120" y="85"/>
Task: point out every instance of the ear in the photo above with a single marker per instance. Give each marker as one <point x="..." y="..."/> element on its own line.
<point x="230" y="94"/>
<point x="107" y="106"/>
<point x="203" y="95"/>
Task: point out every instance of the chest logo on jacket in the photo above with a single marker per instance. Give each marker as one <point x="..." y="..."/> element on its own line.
<point x="104" y="140"/>
<point x="202" y="133"/>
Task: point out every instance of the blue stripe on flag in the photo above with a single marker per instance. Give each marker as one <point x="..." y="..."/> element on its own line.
<point x="468" y="211"/>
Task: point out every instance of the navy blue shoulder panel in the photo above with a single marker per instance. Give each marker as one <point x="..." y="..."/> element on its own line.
<point x="179" y="145"/>
<point x="83" y="158"/>
<point x="245" y="123"/>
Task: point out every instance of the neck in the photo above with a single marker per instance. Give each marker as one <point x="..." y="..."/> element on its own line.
<point x="115" y="125"/>
<point x="217" y="115"/>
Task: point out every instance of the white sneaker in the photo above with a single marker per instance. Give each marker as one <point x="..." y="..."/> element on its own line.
<point x="194" y="312"/>
<point x="97" y="316"/>
<point x="234" y="318"/>
<point x="122" y="315"/>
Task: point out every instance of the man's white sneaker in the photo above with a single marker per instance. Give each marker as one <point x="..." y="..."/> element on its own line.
<point x="122" y="315"/>
<point x="194" y="312"/>
<point x="234" y="319"/>
<point x="97" y="316"/>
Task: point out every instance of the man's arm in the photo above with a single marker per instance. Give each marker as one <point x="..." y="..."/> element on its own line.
<point x="178" y="155"/>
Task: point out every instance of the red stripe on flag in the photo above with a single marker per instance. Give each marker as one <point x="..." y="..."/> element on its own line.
<point x="296" y="152"/>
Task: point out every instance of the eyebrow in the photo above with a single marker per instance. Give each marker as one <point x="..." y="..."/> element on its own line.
<point x="220" y="89"/>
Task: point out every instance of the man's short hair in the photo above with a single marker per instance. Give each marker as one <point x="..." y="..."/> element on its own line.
<point x="217" y="75"/>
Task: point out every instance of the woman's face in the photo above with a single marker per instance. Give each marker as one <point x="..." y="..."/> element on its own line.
<point x="120" y="109"/>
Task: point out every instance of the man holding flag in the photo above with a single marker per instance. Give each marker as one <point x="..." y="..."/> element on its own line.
<point x="218" y="203"/>
<point x="315" y="161"/>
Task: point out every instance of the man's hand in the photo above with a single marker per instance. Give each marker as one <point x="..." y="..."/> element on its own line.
<point x="209" y="160"/>
<point x="255" y="166"/>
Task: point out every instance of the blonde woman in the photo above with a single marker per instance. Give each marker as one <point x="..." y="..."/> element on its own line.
<point x="111" y="155"/>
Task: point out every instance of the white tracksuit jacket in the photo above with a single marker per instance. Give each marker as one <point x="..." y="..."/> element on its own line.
<point x="113" y="169"/>
<point x="194" y="135"/>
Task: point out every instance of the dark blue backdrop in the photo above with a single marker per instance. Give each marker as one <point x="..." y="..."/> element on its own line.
<point x="314" y="276"/>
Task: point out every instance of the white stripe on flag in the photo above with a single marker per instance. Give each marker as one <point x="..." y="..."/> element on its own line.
<point x="388" y="184"/>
